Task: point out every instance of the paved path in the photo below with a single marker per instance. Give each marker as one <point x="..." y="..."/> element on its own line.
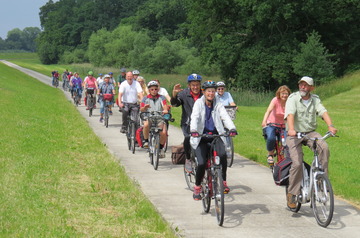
<point x="255" y="207"/>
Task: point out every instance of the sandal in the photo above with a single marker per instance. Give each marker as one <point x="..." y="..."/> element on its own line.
<point x="270" y="161"/>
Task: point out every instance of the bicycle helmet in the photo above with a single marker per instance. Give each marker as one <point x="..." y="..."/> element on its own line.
<point x="152" y="83"/>
<point x="209" y="84"/>
<point x="136" y="72"/>
<point x="107" y="76"/>
<point x="122" y="70"/>
<point x="100" y="74"/>
<point x="110" y="73"/>
<point x="91" y="73"/>
<point x="70" y="72"/>
<point x="194" y="77"/>
<point x="220" y="84"/>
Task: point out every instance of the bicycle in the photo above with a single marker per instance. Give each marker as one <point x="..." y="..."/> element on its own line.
<point x="56" y="82"/>
<point x="131" y="131"/>
<point x="155" y="117"/>
<point x="90" y="100"/>
<point x="212" y="183"/>
<point x="316" y="187"/>
<point x="230" y="148"/>
<point x="76" y="95"/>
<point x="190" y="178"/>
<point x="280" y="144"/>
<point x="107" y="98"/>
<point x="65" y="85"/>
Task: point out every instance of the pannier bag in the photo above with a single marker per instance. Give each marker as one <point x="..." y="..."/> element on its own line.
<point x="140" y="136"/>
<point x="281" y="172"/>
<point x="107" y="97"/>
<point x="178" y="154"/>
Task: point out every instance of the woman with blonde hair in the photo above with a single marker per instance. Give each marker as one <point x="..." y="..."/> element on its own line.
<point x="275" y="114"/>
<point x="142" y="82"/>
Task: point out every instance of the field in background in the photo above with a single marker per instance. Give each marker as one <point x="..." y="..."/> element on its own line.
<point x="57" y="178"/>
<point x="9" y="56"/>
<point x="340" y="97"/>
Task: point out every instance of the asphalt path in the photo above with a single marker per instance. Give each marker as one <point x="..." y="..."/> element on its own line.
<point x="255" y="207"/>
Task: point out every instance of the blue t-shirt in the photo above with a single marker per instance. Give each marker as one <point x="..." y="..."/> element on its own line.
<point x="226" y="98"/>
<point x="209" y="123"/>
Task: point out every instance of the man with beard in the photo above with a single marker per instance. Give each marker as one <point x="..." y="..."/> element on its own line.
<point x="301" y="110"/>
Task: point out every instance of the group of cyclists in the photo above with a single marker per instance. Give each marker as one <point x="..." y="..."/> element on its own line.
<point x="203" y="112"/>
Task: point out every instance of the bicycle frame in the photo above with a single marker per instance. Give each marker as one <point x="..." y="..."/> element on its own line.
<point x="279" y="145"/>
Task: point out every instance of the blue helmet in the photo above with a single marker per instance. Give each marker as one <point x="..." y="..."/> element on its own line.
<point x="194" y="77"/>
<point x="100" y="74"/>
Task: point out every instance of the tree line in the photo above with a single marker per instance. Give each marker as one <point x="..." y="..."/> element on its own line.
<point x="20" y="39"/>
<point x="251" y="44"/>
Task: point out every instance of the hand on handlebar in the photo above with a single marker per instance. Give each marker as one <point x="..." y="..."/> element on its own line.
<point x="232" y="133"/>
<point x="194" y="133"/>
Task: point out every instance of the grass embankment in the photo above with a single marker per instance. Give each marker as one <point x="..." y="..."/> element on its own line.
<point x="57" y="178"/>
<point x="340" y="97"/>
<point x="10" y="56"/>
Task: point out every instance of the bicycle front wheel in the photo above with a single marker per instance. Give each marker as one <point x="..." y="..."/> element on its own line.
<point x="128" y="135"/>
<point x="230" y="158"/>
<point x="205" y="192"/>
<point x="132" y="137"/>
<point x="218" y="191"/>
<point x="106" y="117"/>
<point x="151" y="147"/>
<point x="323" y="200"/>
<point x="156" y="151"/>
<point x="167" y="137"/>
<point x="89" y="103"/>
<point x="190" y="178"/>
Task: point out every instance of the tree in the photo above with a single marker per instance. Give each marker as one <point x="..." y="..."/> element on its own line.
<point x="313" y="59"/>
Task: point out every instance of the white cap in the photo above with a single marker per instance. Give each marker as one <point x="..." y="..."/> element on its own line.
<point x="107" y="76"/>
<point x="308" y="80"/>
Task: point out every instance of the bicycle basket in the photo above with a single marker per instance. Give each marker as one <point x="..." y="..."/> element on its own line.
<point x="107" y="97"/>
<point x="231" y="110"/>
<point x="90" y="91"/>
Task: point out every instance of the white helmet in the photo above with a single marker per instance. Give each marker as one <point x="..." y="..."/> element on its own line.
<point x="153" y="83"/>
<point x="107" y="76"/>
<point x="220" y="84"/>
<point x="136" y="72"/>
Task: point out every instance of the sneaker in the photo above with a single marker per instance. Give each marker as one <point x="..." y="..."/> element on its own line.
<point x="110" y="112"/>
<point x="101" y="119"/>
<point x="146" y="144"/>
<point x="94" y="106"/>
<point x="188" y="166"/>
<point x="291" y="201"/>
<point x="196" y="194"/>
<point x="226" y="188"/>
<point x="123" y="131"/>
<point x="87" y="108"/>
<point x="162" y="154"/>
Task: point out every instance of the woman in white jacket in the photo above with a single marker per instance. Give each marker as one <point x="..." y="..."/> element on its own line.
<point x="205" y="119"/>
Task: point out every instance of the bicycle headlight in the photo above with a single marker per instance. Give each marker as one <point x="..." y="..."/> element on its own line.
<point x="217" y="160"/>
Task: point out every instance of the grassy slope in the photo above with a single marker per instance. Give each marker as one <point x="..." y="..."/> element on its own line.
<point x="57" y="178"/>
<point x="9" y="56"/>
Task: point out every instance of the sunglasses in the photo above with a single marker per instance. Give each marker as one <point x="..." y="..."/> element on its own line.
<point x="153" y="89"/>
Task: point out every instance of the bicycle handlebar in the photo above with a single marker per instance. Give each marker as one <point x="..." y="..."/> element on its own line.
<point x="211" y="136"/>
<point x="327" y="135"/>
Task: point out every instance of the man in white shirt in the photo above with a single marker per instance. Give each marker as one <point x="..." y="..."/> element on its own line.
<point x="100" y="80"/>
<point x="128" y="97"/>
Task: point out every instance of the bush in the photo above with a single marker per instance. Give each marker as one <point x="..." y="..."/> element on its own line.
<point x="77" y="56"/>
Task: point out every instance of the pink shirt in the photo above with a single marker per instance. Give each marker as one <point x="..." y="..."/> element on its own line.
<point x="90" y="83"/>
<point x="277" y="115"/>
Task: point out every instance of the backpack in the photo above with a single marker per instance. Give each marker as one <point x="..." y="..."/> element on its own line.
<point x="140" y="136"/>
<point x="178" y="154"/>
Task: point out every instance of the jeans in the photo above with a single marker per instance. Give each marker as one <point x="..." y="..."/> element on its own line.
<point x="102" y="105"/>
<point x="186" y="131"/>
<point x="271" y="137"/>
<point x="74" y="90"/>
<point x="201" y="153"/>
<point x="53" y="80"/>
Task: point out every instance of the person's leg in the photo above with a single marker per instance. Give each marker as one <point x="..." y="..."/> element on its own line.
<point x="322" y="149"/>
<point x="271" y="139"/>
<point x="221" y="152"/>
<point x="146" y="129"/>
<point x="125" y="113"/>
<point x="85" y="99"/>
<point x="102" y="108"/>
<point x="201" y="153"/>
<point x="135" y="113"/>
<point x="296" y="171"/>
<point x="80" y="95"/>
<point x="162" y="133"/>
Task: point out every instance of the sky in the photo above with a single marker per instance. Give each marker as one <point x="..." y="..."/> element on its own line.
<point x="19" y="14"/>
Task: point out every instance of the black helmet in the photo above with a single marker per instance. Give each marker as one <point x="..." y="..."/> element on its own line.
<point x="209" y="84"/>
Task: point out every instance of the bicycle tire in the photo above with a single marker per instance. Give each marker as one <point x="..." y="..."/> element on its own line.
<point x="132" y="137"/>
<point x="298" y="205"/>
<point x="190" y="178"/>
<point x="218" y="191"/>
<point x="205" y="192"/>
<point x="156" y="151"/>
<point x="106" y="117"/>
<point x="231" y="159"/>
<point x="150" y="148"/>
<point x="323" y="214"/>
<point x="167" y="138"/>
<point x="89" y="103"/>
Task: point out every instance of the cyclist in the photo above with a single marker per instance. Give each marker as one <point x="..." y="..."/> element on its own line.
<point x="100" y="79"/>
<point x="128" y="94"/>
<point x="105" y="88"/>
<point x="136" y="74"/>
<point x="142" y="82"/>
<point x="275" y="114"/>
<point x="64" y="78"/>
<point x="225" y="97"/>
<point x="90" y="83"/>
<point x="154" y="102"/>
<point x="163" y="91"/>
<point x="301" y="110"/>
<point x="112" y="79"/>
<point x="76" y="82"/>
<point x="121" y="77"/>
<point x="205" y="118"/>
<point x="56" y="76"/>
<point x="186" y="98"/>
<point x="53" y="76"/>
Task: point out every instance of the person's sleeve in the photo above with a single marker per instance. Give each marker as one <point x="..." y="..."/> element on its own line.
<point x="290" y="106"/>
<point x="121" y="88"/>
<point x="195" y="116"/>
<point x="231" y="100"/>
<point x="143" y="102"/>
<point x="319" y="107"/>
<point x="163" y="100"/>
<point x="177" y="101"/>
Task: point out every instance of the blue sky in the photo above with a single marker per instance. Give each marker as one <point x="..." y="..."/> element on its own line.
<point x="19" y="14"/>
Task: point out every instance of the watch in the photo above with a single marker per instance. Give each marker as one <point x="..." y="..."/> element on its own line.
<point x="330" y="126"/>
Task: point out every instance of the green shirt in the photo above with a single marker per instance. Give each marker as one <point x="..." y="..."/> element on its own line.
<point x="121" y="78"/>
<point x="304" y="115"/>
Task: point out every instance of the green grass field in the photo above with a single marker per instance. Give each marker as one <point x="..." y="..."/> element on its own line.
<point x="9" y="56"/>
<point x="340" y="97"/>
<point x="57" y="178"/>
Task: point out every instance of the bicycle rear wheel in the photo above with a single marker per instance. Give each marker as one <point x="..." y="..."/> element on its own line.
<point x="156" y="146"/>
<point x="205" y="192"/>
<point x="230" y="159"/>
<point x="323" y="204"/>
<point x="132" y="137"/>
<point x="219" y="197"/>
<point x="190" y="178"/>
<point x="298" y="205"/>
